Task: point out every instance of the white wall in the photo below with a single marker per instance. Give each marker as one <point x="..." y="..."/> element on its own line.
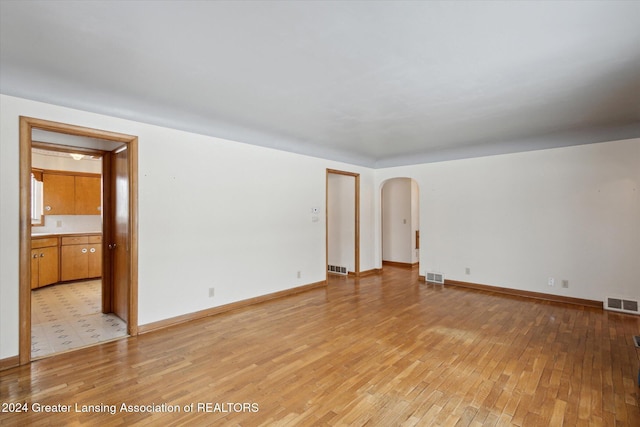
<point x="212" y="213"/>
<point x="515" y="220"/>
<point x="341" y="215"/>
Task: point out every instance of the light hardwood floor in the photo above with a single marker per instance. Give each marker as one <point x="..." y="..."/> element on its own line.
<point x="383" y="350"/>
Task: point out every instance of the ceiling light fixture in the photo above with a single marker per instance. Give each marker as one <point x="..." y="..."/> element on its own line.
<point x="76" y="156"/>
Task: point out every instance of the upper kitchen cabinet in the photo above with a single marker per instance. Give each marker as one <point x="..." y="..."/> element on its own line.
<point x="87" y="197"/>
<point x="70" y="194"/>
<point x="58" y="194"/>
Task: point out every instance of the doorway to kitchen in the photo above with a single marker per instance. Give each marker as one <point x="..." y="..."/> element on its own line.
<point x="66" y="248"/>
<point x="96" y="263"/>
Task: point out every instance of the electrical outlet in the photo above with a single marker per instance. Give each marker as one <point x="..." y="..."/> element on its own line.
<point x="211" y="292"/>
<point x="552" y="281"/>
<point x="565" y="283"/>
<point x="299" y="274"/>
<point x="467" y="270"/>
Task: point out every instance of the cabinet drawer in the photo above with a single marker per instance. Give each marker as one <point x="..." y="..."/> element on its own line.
<point x="95" y="239"/>
<point x="44" y="242"/>
<point x="75" y="240"/>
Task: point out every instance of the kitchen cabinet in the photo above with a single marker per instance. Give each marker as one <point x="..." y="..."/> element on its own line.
<point x="95" y="256"/>
<point x="68" y="194"/>
<point x="44" y="261"/>
<point x="81" y="257"/>
<point x="88" y="198"/>
<point x="58" y="194"/>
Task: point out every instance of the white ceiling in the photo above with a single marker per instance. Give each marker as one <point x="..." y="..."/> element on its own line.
<point x="373" y="83"/>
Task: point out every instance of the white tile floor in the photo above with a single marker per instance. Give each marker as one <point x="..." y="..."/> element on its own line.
<point x="68" y="316"/>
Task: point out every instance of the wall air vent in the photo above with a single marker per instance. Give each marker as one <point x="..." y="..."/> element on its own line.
<point x="435" y="278"/>
<point x="622" y="305"/>
<point x="337" y="269"/>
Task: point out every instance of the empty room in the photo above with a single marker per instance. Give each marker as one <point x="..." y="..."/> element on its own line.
<point x="320" y="213"/>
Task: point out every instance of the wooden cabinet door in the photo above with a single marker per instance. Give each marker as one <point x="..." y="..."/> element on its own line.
<point x="49" y="266"/>
<point x="44" y="266"/>
<point x="35" y="270"/>
<point x="58" y="194"/>
<point x="74" y="262"/>
<point x="88" y="198"/>
<point x="95" y="260"/>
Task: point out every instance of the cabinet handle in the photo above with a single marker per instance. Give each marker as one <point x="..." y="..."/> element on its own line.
<point x="92" y="250"/>
<point x="112" y="246"/>
<point x="35" y="255"/>
<point x="84" y="250"/>
<point x="42" y="255"/>
<point x="47" y="208"/>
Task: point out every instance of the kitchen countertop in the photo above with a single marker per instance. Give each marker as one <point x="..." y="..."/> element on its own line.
<point x="80" y="233"/>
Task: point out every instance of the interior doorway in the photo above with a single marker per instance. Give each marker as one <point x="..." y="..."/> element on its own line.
<point x="66" y="255"/>
<point x="400" y="219"/>
<point x="343" y="222"/>
<point x="119" y="214"/>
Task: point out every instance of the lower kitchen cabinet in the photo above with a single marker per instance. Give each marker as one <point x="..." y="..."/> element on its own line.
<point x="44" y="262"/>
<point x="81" y="257"/>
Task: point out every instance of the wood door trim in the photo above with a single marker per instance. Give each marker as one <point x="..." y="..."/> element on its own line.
<point x="24" y="296"/>
<point x="24" y="300"/>
<point x="76" y="130"/>
<point x="132" y="324"/>
<point x="357" y="218"/>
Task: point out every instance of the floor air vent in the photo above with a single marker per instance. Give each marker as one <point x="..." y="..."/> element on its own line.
<point x="435" y="278"/>
<point x="337" y="269"/>
<point x="622" y="305"/>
